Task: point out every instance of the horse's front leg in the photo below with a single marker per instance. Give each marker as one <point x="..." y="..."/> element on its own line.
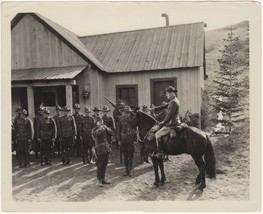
<point x="163" y="178"/>
<point x="155" y="168"/>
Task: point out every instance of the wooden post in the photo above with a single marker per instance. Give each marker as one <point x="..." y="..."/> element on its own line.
<point x="69" y="101"/>
<point x="30" y="102"/>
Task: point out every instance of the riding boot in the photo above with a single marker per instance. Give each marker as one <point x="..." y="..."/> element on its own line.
<point x="159" y="153"/>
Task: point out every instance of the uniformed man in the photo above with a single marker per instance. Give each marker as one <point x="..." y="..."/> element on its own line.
<point x="23" y="136"/>
<point x="160" y="117"/>
<point x="127" y="137"/>
<point x="46" y="135"/>
<point x="36" y="146"/>
<point x="102" y="147"/>
<point x="116" y="115"/>
<point x="96" y="114"/>
<point x="18" y="116"/>
<point x="68" y="132"/>
<point x="57" y="147"/>
<point x="78" y="119"/>
<point x="109" y="122"/>
<point x="88" y="123"/>
<point x="171" y="119"/>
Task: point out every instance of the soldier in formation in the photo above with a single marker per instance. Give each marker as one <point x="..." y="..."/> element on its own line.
<point x="68" y="132"/>
<point x="46" y="135"/>
<point x="36" y="146"/>
<point x="23" y="136"/>
<point x="109" y="122"/>
<point x="78" y="119"/>
<point x="88" y="123"/>
<point x="57" y="147"/>
<point x="126" y="137"/>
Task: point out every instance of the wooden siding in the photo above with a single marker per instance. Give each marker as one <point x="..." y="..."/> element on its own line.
<point x="34" y="46"/>
<point x="188" y="86"/>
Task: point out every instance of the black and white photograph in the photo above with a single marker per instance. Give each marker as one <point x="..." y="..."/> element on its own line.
<point x="131" y="102"/>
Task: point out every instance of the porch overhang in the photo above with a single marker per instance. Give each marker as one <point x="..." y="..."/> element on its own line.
<point x="45" y="74"/>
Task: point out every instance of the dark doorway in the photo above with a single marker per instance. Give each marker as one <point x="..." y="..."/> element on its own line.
<point x="128" y="94"/>
<point x="158" y="87"/>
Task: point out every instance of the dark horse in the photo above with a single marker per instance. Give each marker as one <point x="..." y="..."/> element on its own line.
<point x="193" y="141"/>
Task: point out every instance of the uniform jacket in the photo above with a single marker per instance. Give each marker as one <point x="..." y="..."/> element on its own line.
<point x="36" y="121"/>
<point x="125" y="131"/>
<point x="47" y="128"/>
<point x="109" y="122"/>
<point x="88" y="123"/>
<point x="160" y="116"/>
<point x="96" y="117"/>
<point x="24" y="130"/>
<point x="100" y="133"/>
<point x="68" y="126"/>
<point x="116" y="115"/>
<point x="172" y="116"/>
<point x="57" y="121"/>
<point x="78" y="119"/>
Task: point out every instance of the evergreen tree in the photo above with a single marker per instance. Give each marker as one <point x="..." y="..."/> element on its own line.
<point x="228" y="91"/>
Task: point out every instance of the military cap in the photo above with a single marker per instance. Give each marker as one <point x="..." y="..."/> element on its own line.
<point x="41" y="108"/>
<point x="24" y="112"/>
<point x="46" y="111"/>
<point x="87" y="109"/>
<point x="119" y="101"/>
<point x="144" y="107"/>
<point x="19" y="108"/>
<point x="77" y="106"/>
<point x="105" y="109"/>
<point x="58" y="108"/>
<point x="96" y="108"/>
<point x="164" y="103"/>
<point x="170" y="89"/>
<point x="65" y="108"/>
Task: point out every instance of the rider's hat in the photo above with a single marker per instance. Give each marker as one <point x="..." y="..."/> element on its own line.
<point x="170" y="89"/>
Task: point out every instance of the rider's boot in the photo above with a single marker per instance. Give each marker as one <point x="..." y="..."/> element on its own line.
<point x="159" y="153"/>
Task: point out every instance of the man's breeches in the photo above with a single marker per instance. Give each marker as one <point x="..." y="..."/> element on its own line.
<point x="102" y="163"/>
<point x="67" y="147"/>
<point x="22" y="150"/>
<point x="45" y="149"/>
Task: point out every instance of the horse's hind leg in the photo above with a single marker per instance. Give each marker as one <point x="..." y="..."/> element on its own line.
<point x="201" y="177"/>
<point x="155" y="168"/>
<point x="160" y="162"/>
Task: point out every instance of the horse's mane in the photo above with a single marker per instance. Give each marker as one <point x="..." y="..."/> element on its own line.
<point x="146" y="120"/>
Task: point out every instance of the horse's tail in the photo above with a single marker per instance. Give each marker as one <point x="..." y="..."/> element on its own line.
<point x="210" y="159"/>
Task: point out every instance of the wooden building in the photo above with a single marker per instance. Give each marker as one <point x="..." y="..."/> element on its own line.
<point x="51" y="65"/>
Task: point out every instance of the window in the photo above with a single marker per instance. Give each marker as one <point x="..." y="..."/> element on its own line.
<point x="157" y="88"/>
<point x="128" y="94"/>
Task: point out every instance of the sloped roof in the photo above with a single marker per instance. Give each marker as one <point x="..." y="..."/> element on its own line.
<point x="149" y="49"/>
<point x="54" y="73"/>
<point x="66" y="34"/>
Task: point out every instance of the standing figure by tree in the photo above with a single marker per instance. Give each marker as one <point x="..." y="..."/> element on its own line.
<point x="46" y="135"/>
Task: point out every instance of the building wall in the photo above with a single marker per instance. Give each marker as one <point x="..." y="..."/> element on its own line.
<point x="188" y="86"/>
<point x="35" y="46"/>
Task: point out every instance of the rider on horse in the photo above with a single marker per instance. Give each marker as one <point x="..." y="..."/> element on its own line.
<point x="171" y="119"/>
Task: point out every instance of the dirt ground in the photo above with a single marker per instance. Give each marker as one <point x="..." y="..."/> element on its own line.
<point x="78" y="182"/>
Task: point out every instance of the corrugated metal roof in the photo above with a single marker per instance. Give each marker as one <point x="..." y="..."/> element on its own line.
<point x="149" y="49"/>
<point x="46" y="73"/>
<point x="69" y="36"/>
